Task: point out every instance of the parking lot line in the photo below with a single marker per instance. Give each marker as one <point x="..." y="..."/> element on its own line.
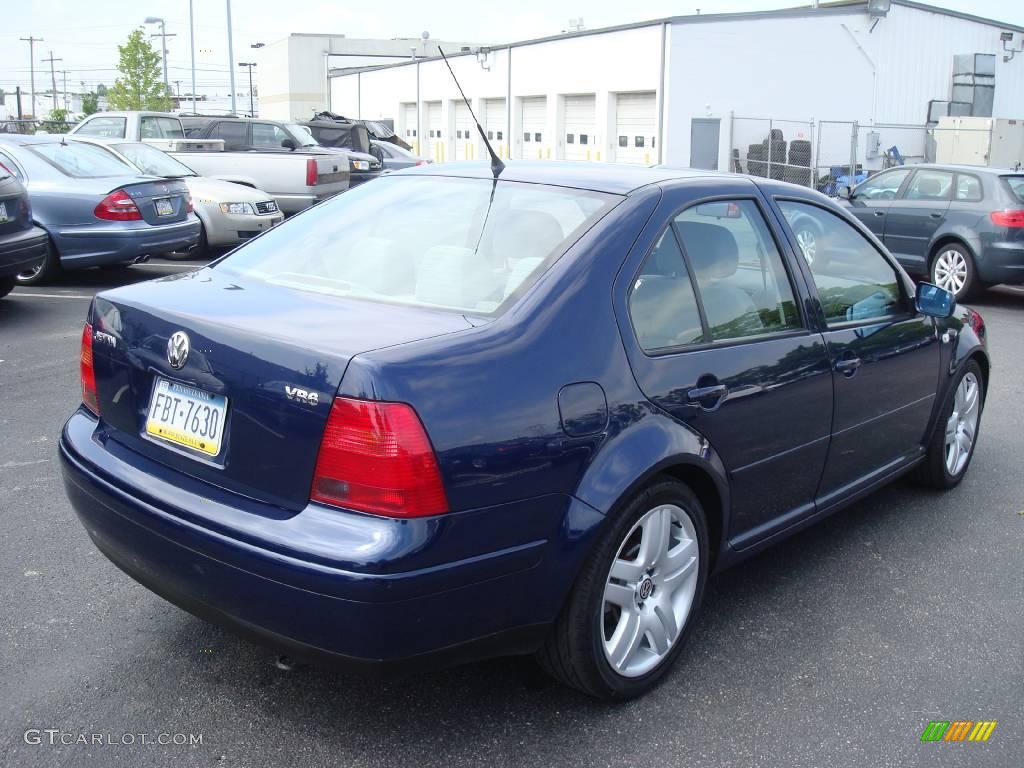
<point x="20" y="294"/>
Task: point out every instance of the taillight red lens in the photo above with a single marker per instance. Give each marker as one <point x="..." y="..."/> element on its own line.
<point x="1012" y="219"/>
<point x="376" y="457"/>
<point x="118" y="206"/>
<point x="310" y="172"/>
<point x="188" y="203"/>
<point x="88" y="372"/>
<point x="421" y="162"/>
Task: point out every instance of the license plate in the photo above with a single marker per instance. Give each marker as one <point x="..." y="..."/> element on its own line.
<point x="187" y="416"/>
<point x="164" y="207"/>
<point x="3" y="212"/>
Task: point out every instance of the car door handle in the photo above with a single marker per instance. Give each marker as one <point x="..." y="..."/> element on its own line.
<point x="848" y="365"/>
<point x="879" y="213"/>
<point x="708" y="397"/>
<point x="935" y="215"/>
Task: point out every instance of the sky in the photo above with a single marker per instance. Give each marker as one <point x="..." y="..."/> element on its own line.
<point x="85" y="34"/>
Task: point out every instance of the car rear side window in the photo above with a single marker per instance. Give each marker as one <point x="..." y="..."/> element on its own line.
<point x="930" y="185"/>
<point x="740" y="277"/>
<point x="1016" y="185"/>
<point x="662" y="304"/>
<point x="160" y="128"/>
<point x="470" y="245"/>
<point x="233" y="134"/>
<point x="968" y="188"/>
<point x="855" y="283"/>
<point x="83" y="161"/>
<point x="106" y="127"/>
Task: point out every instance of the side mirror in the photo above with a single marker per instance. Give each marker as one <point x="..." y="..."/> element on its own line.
<point x="846" y="192"/>
<point x="934" y="301"/>
<point x="288" y="143"/>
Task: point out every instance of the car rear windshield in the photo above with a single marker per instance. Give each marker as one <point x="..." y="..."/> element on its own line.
<point x="1016" y="184"/>
<point x="83" y="161"/>
<point x="151" y="160"/>
<point x="470" y="245"/>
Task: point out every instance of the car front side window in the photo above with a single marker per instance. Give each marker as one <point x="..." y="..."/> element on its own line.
<point x="855" y="283"/>
<point x="884" y="186"/>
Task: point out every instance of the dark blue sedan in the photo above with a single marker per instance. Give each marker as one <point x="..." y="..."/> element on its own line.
<point x="524" y="414"/>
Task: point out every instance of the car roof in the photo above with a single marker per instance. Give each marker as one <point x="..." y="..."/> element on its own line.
<point x="599" y="177"/>
<point x="956" y="168"/>
<point x="25" y="139"/>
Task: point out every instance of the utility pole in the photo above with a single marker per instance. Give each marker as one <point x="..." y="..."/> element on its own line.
<point x="17" y="92"/>
<point x="32" y="65"/>
<point x="177" y="88"/>
<point x="65" y="73"/>
<point x="162" y="34"/>
<point x="53" y="77"/>
<point x="192" y="48"/>
<point x="231" y="59"/>
<point x="249" y="65"/>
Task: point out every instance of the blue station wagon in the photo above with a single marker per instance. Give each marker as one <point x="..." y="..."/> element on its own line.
<point x="530" y="414"/>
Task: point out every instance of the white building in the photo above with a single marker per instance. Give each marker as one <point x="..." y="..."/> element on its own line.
<point x="684" y="90"/>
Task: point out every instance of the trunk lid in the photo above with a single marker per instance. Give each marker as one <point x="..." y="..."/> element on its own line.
<point x="331" y="167"/>
<point x="267" y="349"/>
<point x="160" y="202"/>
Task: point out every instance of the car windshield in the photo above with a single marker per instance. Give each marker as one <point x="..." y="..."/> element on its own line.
<point x="151" y="160"/>
<point x="83" y="160"/>
<point x="470" y="245"/>
<point x="395" y="150"/>
<point x="1016" y="184"/>
<point x="301" y="134"/>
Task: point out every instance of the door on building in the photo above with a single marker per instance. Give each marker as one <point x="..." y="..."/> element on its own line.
<point x="465" y="134"/>
<point x="580" y="135"/>
<point x="433" y="148"/>
<point x="704" y="143"/>
<point x="536" y="142"/>
<point x="408" y="127"/>
<point x="636" y="121"/>
<point x="495" y="125"/>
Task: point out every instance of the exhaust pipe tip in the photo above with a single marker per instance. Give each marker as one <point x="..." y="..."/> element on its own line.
<point x="141" y="259"/>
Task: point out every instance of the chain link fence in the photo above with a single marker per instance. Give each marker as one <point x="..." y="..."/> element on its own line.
<point x="29" y="127"/>
<point x="773" y="148"/>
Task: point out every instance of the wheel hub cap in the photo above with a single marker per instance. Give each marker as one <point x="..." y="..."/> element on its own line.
<point x="962" y="425"/>
<point x="649" y="590"/>
<point x="950" y="271"/>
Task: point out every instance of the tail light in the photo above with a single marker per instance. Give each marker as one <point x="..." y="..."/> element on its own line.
<point x="310" y="172"/>
<point x="88" y="373"/>
<point x="118" y="206"/>
<point x="421" y="162"/>
<point x="376" y="457"/>
<point x="188" y="203"/>
<point x="1013" y="219"/>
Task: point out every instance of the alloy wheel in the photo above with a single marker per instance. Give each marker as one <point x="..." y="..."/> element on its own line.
<point x="649" y="590"/>
<point x="808" y="244"/>
<point x="951" y="271"/>
<point x="962" y="425"/>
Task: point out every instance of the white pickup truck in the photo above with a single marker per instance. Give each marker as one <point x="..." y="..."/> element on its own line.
<point x="296" y="180"/>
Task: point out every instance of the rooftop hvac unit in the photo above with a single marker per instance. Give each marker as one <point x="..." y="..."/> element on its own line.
<point x="974" y="64"/>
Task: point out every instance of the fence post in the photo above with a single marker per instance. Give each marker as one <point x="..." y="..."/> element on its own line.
<point x="853" y="153"/>
<point x="732" y="134"/>
<point x="768" y="170"/>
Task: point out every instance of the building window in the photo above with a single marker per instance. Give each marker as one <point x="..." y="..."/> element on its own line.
<point x="623" y="141"/>
<point x="638" y="141"/>
<point x="536" y="137"/>
<point x="652" y="142"/>
<point x="570" y="138"/>
<point x="500" y="135"/>
<point x="490" y="134"/>
<point x="583" y="138"/>
<point x="458" y="134"/>
<point x="526" y="136"/>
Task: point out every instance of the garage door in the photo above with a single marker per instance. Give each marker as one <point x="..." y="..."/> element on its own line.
<point x="465" y="133"/>
<point x="494" y="125"/>
<point x="636" y="121"/>
<point x="580" y="139"/>
<point x="536" y="142"/>
<point x="432" y="128"/>
<point x="409" y="126"/>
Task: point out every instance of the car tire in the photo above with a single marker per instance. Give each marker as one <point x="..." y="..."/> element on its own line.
<point x="47" y="270"/>
<point x="648" y="635"/>
<point x="956" y="433"/>
<point x="7" y="285"/>
<point x="952" y="267"/>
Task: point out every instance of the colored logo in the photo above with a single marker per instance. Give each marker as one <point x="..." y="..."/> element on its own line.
<point x="958" y="730"/>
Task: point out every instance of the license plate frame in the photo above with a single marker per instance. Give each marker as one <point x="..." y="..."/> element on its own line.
<point x="164" y="207"/>
<point x="4" y="218"/>
<point x="172" y="409"/>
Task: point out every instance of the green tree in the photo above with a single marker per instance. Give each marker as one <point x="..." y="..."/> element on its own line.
<point x="57" y="121"/>
<point x="140" y="86"/>
<point x="90" y="103"/>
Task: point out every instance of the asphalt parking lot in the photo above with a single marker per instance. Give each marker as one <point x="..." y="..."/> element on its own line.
<point x="835" y="648"/>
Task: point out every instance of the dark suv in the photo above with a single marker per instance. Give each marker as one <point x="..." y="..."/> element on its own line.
<point x="248" y="135"/>
<point x="963" y="226"/>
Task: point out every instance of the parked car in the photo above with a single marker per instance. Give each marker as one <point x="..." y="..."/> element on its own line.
<point x="22" y="244"/>
<point x="97" y="210"/>
<point x="532" y="413"/>
<point x="241" y="134"/>
<point x="296" y="180"/>
<point x="229" y="213"/>
<point x="396" y="158"/>
<point x="962" y="226"/>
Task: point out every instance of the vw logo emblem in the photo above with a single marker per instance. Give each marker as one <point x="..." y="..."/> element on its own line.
<point x="177" y="349"/>
<point x="645" y="588"/>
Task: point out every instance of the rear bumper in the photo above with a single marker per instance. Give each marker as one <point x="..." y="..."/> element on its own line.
<point x="22" y="251"/>
<point x="1002" y="262"/>
<point x="323" y="583"/>
<point x="106" y="243"/>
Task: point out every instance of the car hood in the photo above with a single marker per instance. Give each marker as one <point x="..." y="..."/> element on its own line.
<point x="217" y="191"/>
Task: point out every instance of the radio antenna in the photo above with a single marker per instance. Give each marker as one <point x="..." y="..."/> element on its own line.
<point x="496" y="165"/>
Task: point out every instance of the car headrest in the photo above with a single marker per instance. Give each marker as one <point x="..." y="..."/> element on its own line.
<point x="519" y="233"/>
<point x="712" y="249"/>
<point x="451" y="276"/>
<point x="929" y="187"/>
